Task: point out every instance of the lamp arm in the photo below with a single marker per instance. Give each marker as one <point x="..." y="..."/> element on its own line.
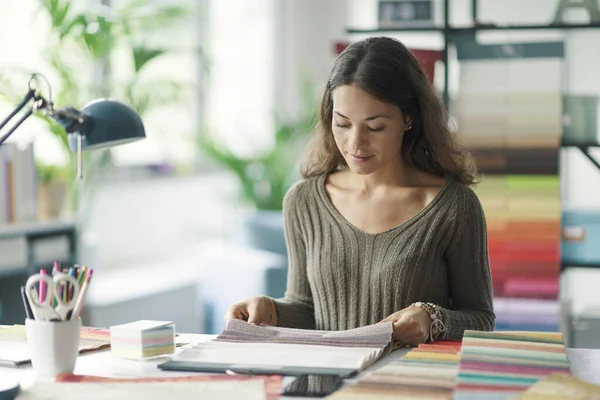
<point x="31" y="94"/>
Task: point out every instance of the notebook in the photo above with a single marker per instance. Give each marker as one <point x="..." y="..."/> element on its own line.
<point x="250" y="349"/>
<point x="14" y="350"/>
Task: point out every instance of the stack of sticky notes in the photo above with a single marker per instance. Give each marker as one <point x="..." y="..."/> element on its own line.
<point x="142" y="339"/>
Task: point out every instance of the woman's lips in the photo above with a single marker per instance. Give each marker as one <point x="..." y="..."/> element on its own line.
<point x="359" y="159"/>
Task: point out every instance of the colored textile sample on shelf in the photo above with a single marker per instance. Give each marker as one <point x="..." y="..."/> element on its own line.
<point x="501" y="365"/>
<point x="425" y="372"/>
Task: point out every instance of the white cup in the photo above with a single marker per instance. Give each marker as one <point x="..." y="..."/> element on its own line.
<point x="54" y="346"/>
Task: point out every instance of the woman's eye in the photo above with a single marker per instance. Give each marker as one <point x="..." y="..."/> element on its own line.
<point x="342" y="126"/>
<point x="378" y="129"/>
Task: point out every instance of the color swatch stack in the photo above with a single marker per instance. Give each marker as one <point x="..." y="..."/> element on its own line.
<point x="142" y="339"/>
<point x="523" y="221"/>
<point x="428" y="372"/>
<point x="502" y="365"/>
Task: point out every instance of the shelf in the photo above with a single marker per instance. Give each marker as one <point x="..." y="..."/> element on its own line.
<point x="584" y="147"/>
<point x="577" y="264"/>
<point x="8" y="272"/>
<point x="36" y="229"/>
<point x="477" y="28"/>
<point x="574" y="143"/>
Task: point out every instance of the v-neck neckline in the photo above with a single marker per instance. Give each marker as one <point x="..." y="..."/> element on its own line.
<point x="322" y="190"/>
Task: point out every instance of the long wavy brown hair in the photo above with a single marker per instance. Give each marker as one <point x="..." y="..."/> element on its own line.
<point x="385" y="68"/>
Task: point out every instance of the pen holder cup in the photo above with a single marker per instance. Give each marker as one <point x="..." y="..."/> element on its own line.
<point x="54" y="346"/>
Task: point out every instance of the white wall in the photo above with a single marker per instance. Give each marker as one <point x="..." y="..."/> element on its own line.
<point x="306" y="33"/>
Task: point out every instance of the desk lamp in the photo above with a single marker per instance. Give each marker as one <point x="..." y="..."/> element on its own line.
<point x="99" y="124"/>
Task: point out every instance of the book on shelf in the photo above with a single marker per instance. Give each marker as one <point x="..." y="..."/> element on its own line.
<point x="18" y="184"/>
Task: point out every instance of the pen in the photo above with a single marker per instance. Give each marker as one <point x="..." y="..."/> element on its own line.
<point x="28" y="310"/>
<point x="42" y="287"/>
<point x="83" y="290"/>
<point x="70" y="290"/>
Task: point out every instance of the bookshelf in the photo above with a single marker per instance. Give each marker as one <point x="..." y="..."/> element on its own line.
<point x="450" y="33"/>
<point x="524" y="239"/>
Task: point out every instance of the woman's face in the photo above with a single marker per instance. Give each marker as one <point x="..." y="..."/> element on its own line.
<point x="367" y="131"/>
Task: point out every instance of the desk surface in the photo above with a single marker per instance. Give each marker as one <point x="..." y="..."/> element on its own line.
<point x="585" y="364"/>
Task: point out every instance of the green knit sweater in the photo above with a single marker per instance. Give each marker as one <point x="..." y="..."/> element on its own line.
<point x="341" y="277"/>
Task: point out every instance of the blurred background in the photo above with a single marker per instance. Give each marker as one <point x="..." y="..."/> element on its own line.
<point x="182" y="224"/>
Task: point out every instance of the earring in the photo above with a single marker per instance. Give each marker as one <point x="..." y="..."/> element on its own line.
<point x="409" y="128"/>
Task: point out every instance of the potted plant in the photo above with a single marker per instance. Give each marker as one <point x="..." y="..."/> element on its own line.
<point x="81" y="44"/>
<point x="265" y="178"/>
<point x="53" y="183"/>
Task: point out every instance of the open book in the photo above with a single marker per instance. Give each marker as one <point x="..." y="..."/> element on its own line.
<point x="249" y="349"/>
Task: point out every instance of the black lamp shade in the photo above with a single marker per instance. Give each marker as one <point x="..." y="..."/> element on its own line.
<point x="107" y="123"/>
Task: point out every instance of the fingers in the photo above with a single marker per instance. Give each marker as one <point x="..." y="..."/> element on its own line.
<point x="408" y="331"/>
<point x="255" y="310"/>
<point x="253" y="313"/>
<point x="392" y="318"/>
<point x="236" y="311"/>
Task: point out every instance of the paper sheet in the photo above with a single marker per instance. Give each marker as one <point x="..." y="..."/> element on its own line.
<point x="249" y="390"/>
<point x="279" y="355"/>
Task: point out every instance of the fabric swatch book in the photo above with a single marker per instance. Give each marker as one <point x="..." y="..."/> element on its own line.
<point x="245" y="348"/>
<point x="502" y="365"/>
<point x="14" y="350"/>
<point x="425" y="372"/>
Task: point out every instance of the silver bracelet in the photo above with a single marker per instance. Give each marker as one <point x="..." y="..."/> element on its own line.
<point x="437" y="326"/>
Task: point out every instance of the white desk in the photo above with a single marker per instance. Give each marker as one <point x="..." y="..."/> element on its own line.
<point x="585" y="364"/>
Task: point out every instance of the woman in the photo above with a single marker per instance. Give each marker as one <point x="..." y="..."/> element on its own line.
<point x="384" y="226"/>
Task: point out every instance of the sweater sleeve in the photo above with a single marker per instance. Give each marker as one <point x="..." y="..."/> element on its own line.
<point x="469" y="274"/>
<point x="296" y="308"/>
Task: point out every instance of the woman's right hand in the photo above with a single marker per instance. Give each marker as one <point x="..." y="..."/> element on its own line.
<point x="259" y="310"/>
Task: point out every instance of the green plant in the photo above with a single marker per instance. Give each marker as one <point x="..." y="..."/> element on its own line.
<point x="52" y="173"/>
<point x="265" y="178"/>
<point x="81" y="45"/>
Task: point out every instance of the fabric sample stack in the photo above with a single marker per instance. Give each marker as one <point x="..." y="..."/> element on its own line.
<point x="502" y="365"/>
<point x="426" y="372"/>
<point x="142" y="339"/>
<point x="513" y="124"/>
<point x="523" y="219"/>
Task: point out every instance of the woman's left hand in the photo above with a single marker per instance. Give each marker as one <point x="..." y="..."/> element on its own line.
<point x="411" y="325"/>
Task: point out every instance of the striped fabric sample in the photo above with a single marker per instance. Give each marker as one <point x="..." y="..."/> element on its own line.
<point x="501" y="365"/>
<point x="426" y="372"/>
<point x="375" y="336"/>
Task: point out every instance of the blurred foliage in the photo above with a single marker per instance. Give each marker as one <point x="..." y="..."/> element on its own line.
<point x="81" y="42"/>
<point x="265" y="178"/>
<point x="52" y="173"/>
